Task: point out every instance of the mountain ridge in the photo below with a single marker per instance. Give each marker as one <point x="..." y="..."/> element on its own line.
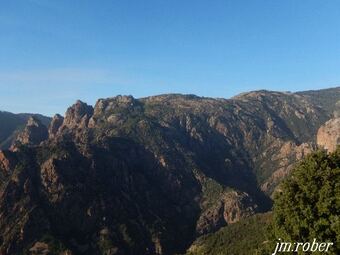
<point x="126" y="175"/>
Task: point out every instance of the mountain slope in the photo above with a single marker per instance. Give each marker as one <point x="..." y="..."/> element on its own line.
<point x="241" y="238"/>
<point x="127" y="175"/>
<point x="325" y="98"/>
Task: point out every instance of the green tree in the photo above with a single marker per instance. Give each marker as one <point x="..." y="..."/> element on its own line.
<point x="308" y="203"/>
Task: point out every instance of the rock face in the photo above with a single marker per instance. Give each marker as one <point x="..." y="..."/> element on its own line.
<point x="129" y="175"/>
<point x="6" y="160"/>
<point x="77" y="115"/>
<point x="230" y="208"/>
<point x="329" y="135"/>
<point x="33" y="134"/>
<point x="55" y="124"/>
<point x="289" y="153"/>
<point x="7" y="163"/>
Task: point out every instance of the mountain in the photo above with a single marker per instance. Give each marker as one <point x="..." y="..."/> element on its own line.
<point x="12" y="124"/>
<point x="151" y="175"/>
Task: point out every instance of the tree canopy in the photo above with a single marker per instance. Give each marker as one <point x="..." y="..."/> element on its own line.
<point x="307" y="206"/>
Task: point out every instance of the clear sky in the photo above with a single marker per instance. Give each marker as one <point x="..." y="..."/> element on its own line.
<point x="53" y="52"/>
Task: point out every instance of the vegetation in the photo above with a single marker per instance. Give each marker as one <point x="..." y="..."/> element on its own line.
<point x="308" y="205"/>
<point x="241" y="238"/>
<point x="212" y="191"/>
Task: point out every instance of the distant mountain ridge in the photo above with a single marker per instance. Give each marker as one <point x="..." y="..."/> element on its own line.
<point x="127" y="175"/>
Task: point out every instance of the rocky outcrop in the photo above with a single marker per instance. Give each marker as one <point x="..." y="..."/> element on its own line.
<point x="12" y="124"/>
<point x="33" y="134"/>
<point x="230" y="208"/>
<point x="7" y="161"/>
<point x="40" y="248"/>
<point x="75" y="123"/>
<point x="328" y="136"/>
<point x="55" y="124"/>
<point x="287" y="154"/>
<point x="77" y="116"/>
<point x="114" y="110"/>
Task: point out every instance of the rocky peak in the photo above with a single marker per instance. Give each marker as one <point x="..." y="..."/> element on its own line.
<point x="33" y="122"/>
<point x="33" y="134"/>
<point x="125" y="99"/>
<point x="78" y="114"/>
<point x="115" y="110"/>
<point x="111" y="104"/>
<point x="55" y="124"/>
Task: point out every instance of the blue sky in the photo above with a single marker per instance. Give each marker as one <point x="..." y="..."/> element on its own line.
<point x="55" y="52"/>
